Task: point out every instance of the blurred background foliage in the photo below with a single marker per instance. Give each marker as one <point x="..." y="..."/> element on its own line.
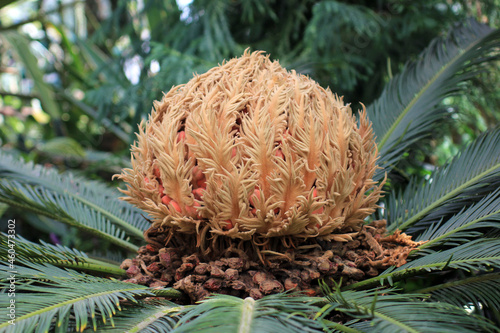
<point x="76" y="77"/>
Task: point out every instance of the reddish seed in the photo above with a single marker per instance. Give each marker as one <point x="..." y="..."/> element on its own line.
<point x="254" y="211"/>
<point x="192" y="211"/>
<point x="181" y="136"/>
<point x="160" y="190"/>
<point x="202" y="183"/>
<point x="146" y="180"/>
<point x="150" y="248"/>
<point x="229" y="225"/>
<point x="192" y="208"/>
<point x="233" y="152"/>
<point x="256" y="193"/>
<point x="198" y="193"/>
<point x="156" y="172"/>
<point x="175" y="205"/>
<point x="279" y="154"/>
<point x="318" y="211"/>
<point x="197" y="173"/>
<point x="166" y="200"/>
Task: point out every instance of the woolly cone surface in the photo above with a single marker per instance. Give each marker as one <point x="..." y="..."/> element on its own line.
<point x="249" y="164"/>
<point x="250" y="151"/>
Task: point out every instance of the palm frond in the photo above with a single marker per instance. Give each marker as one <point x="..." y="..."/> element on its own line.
<point x="463" y="226"/>
<point x="482" y="290"/>
<point x="273" y="313"/>
<point x="408" y="108"/>
<point x="57" y="255"/>
<point x="145" y="317"/>
<point x="478" y="165"/>
<point x="63" y="296"/>
<point x="92" y="194"/>
<point x="222" y="313"/>
<point x="481" y="254"/>
<point x="63" y="208"/>
<point x="386" y="311"/>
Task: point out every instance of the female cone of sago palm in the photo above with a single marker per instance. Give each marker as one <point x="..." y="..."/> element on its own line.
<point x="252" y="157"/>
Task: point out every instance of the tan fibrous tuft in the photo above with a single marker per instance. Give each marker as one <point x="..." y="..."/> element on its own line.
<point x="250" y="151"/>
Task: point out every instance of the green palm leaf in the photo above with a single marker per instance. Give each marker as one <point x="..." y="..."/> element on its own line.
<point x="462" y="226"/>
<point x="63" y="208"/>
<point x="385" y="311"/>
<point x="408" y="108"/>
<point x="481" y="291"/>
<point x="56" y="255"/>
<point x="478" y="165"/>
<point x="145" y="317"/>
<point x="63" y="296"/>
<point x="222" y="313"/>
<point x="481" y="254"/>
<point x="274" y="313"/>
<point x="92" y="194"/>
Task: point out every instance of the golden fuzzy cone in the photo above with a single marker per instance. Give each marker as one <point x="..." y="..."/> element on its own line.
<point x="249" y="150"/>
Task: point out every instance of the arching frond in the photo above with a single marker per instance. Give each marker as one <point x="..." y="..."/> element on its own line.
<point x="386" y="311"/>
<point x="145" y="317"/>
<point x="463" y="226"/>
<point x="476" y="255"/>
<point x="222" y="313"/>
<point x="478" y="165"/>
<point x="482" y="290"/>
<point x="481" y="254"/>
<point x="63" y="296"/>
<point x="273" y="313"/>
<point x="62" y="208"/>
<point x="92" y="194"/>
<point x="409" y="105"/>
<point x="57" y="255"/>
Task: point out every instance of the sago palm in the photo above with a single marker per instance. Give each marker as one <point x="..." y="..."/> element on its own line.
<point x="255" y="180"/>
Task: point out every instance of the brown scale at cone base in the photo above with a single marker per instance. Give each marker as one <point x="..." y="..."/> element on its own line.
<point x="234" y="273"/>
